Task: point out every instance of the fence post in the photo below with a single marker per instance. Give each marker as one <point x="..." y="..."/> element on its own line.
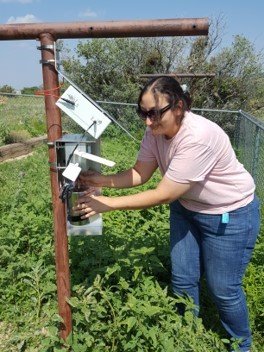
<point x="237" y="130"/>
<point x="256" y="153"/>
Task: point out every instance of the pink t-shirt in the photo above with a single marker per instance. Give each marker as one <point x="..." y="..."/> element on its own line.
<point x="201" y="152"/>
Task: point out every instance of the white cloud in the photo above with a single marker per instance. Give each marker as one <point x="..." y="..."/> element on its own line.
<point x="29" y="18"/>
<point x="20" y="1"/>
<point x="88" y="13"/>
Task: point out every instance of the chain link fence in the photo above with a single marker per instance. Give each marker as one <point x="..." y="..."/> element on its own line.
<point x="245" y="131"/>
<point x="249" y="145"/>
<point x="24" y="113"/>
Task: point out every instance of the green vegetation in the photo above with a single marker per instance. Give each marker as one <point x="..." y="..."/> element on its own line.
<point x="111" y="69"/>
<point x="21" y="113"/>
<point x="121" y="299"/>
<point x="16" y="136"/>
<point x="30" y="90"/>
<point x="7" y="89"/>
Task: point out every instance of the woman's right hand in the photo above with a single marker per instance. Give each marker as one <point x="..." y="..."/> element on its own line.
<point x="90" y="179"/>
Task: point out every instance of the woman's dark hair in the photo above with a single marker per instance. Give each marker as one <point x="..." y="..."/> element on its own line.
<point x="168" y="86"/>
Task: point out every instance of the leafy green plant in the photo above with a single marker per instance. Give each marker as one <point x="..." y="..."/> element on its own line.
<point x="121" y="298"/>
<point x="4" y="131"/>
<point x="17" y="136"/>
<point x="36" y="125"/>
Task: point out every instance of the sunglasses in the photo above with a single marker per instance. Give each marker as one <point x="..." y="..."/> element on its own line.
<point x="153" y="114"/>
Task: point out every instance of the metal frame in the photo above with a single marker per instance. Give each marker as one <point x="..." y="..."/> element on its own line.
<point x="57" y="64"/>
<point x="48" y="33"/>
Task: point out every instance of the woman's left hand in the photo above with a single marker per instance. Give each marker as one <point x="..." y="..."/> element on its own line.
<point x="89" y="205"/>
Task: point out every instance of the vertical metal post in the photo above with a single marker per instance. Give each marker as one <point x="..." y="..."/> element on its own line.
<point x="54" y="131"/>
<point x="237" y="132"/>
<point x="256" y="154"/>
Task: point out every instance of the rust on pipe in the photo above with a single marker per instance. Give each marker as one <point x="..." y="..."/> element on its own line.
<point x="107" y="29"/>
<point x="54" y="132"/>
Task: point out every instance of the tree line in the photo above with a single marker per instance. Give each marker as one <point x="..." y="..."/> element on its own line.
<point x="112" y="69"/>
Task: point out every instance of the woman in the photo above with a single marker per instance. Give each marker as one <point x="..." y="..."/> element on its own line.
<point x="214" y="215"/>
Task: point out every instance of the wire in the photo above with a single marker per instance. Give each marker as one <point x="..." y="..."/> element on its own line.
<point x="77" y="145"/>
<point x="47" y="92"/>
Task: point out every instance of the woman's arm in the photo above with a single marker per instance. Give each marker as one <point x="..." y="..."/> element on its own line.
<point x="166" y="192"/>
<point x="137" y="175"/>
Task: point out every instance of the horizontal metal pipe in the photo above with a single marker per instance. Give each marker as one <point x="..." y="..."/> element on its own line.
<point x="180" y="75"/>
<point x="108" y="29"/>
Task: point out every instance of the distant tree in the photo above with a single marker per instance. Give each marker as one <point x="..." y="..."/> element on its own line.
<point x="239" y="76"/>
<point x="7" y="89"/>
<point x="238" y="69"/>
<point x="198" y="57"/>
<point x="29" y="90"/>
<point x="109" y="69"/>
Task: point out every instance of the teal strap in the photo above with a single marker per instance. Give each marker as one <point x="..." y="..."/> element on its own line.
<point x="225" y="218"/>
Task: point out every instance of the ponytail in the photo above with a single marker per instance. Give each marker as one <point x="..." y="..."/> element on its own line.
<point x="187" y="100"/>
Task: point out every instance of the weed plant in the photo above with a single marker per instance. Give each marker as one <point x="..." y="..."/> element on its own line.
<point x="121" y="298"/>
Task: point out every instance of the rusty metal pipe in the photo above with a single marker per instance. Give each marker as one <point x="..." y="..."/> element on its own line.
<point x="54" y="131"/>
<point x="179" y="75"/>
<point x="109" y="29"/>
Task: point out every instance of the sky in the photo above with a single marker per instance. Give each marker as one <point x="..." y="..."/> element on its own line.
<point x="19" y="60"/>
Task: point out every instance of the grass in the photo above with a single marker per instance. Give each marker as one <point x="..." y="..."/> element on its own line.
<point x="21" y="113"/>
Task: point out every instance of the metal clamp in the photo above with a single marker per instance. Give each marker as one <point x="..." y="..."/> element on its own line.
<point x="47" y="62"/>
<point x="46" y="47"/>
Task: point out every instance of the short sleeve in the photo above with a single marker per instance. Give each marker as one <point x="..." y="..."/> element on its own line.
<point x="146" y="151"/>
<point x="192" y="164"/>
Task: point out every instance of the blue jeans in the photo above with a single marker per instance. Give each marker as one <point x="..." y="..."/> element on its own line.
<point x="204" y="244"/>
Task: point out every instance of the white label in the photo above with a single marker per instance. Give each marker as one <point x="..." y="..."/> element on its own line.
<point x="72" y="171"/>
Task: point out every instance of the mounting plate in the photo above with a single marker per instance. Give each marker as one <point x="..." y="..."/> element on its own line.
<point x="83" y="112"/>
